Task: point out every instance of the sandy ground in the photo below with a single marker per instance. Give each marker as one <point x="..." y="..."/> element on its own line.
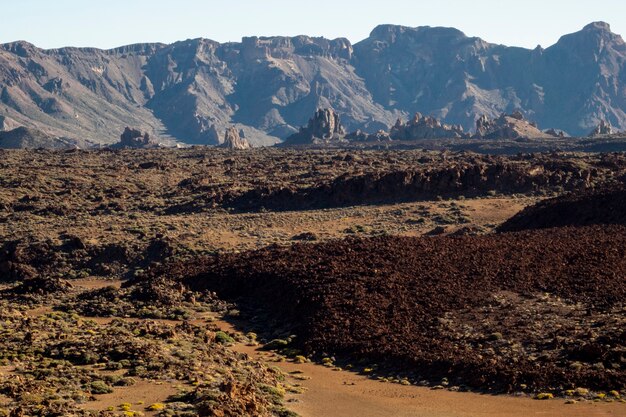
<point x="244" y="231"/>
<point x="141" y="395"/>
<point x="346" y="394"/>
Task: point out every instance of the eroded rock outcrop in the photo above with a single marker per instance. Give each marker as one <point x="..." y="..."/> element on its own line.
<point x="425" y="127"/>
<point x="509" y="126"/>
<point x="135" y="138"/>
<point x="324" y="126"/>
<point x="604" y="128"/>
<point x="233" y="140"/>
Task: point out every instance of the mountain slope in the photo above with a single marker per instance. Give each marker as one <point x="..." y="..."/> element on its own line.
<point x="75" y="92"/>
<point x="193" y="90"/>
<point x="572" y="85"/>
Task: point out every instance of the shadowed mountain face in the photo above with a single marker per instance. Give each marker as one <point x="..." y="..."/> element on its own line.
<point x="268" y="87"/>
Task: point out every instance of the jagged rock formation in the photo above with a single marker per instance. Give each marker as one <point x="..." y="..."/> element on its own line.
<point x="425" y="127"/>
<point x="233" y="139"/>
<point x="604" y="128"/>
<point x="196" y="88"/>
<point x="135" y="138"/>
<point x="324" y="126"/>
<point x="509" y="126"/>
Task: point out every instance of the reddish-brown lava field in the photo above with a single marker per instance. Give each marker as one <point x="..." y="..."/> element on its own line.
<point x="606" y="205"/>
<point x="389" y="301"/>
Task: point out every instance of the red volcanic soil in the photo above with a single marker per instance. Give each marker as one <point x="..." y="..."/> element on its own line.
<point x="537" y="310"/>
<point x="604" y="206"/>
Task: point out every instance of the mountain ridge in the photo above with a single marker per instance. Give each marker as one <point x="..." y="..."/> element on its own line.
<point x="193" y="90"/>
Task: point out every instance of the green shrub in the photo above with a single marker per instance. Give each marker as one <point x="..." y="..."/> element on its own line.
<point x="100" y="387"/>
<point x="223" y="338"/>
<point x="277" y="344"/>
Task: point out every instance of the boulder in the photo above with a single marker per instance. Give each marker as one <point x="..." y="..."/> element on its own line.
<point x="556" y="133"/>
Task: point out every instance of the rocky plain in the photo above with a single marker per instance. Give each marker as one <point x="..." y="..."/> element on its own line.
<point x="143" y="281"/>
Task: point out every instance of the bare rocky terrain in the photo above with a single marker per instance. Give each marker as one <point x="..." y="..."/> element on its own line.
<point x="118" y="268"/>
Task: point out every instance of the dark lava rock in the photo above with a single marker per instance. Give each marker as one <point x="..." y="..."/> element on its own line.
<point x="306" y="236"/>
<point x="478" y="177"/>
<point x="437" y="231"/>
<point x="604" y="206"/>
<point x="384" y="299"/>
<point x="40" y="287"/>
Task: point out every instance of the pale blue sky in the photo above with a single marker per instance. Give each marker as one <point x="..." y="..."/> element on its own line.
<point x="110" y="23"/>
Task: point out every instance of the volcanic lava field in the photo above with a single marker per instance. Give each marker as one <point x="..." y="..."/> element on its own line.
<point x="191" y="282"/>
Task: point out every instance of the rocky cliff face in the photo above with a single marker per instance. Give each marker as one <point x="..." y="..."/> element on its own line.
<point x="192" y="90"/>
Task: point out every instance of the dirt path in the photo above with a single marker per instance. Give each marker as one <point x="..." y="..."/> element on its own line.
<point x="346" y="394"/>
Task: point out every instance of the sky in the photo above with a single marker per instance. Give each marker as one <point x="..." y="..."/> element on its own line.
<point x="111" y="23"/>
